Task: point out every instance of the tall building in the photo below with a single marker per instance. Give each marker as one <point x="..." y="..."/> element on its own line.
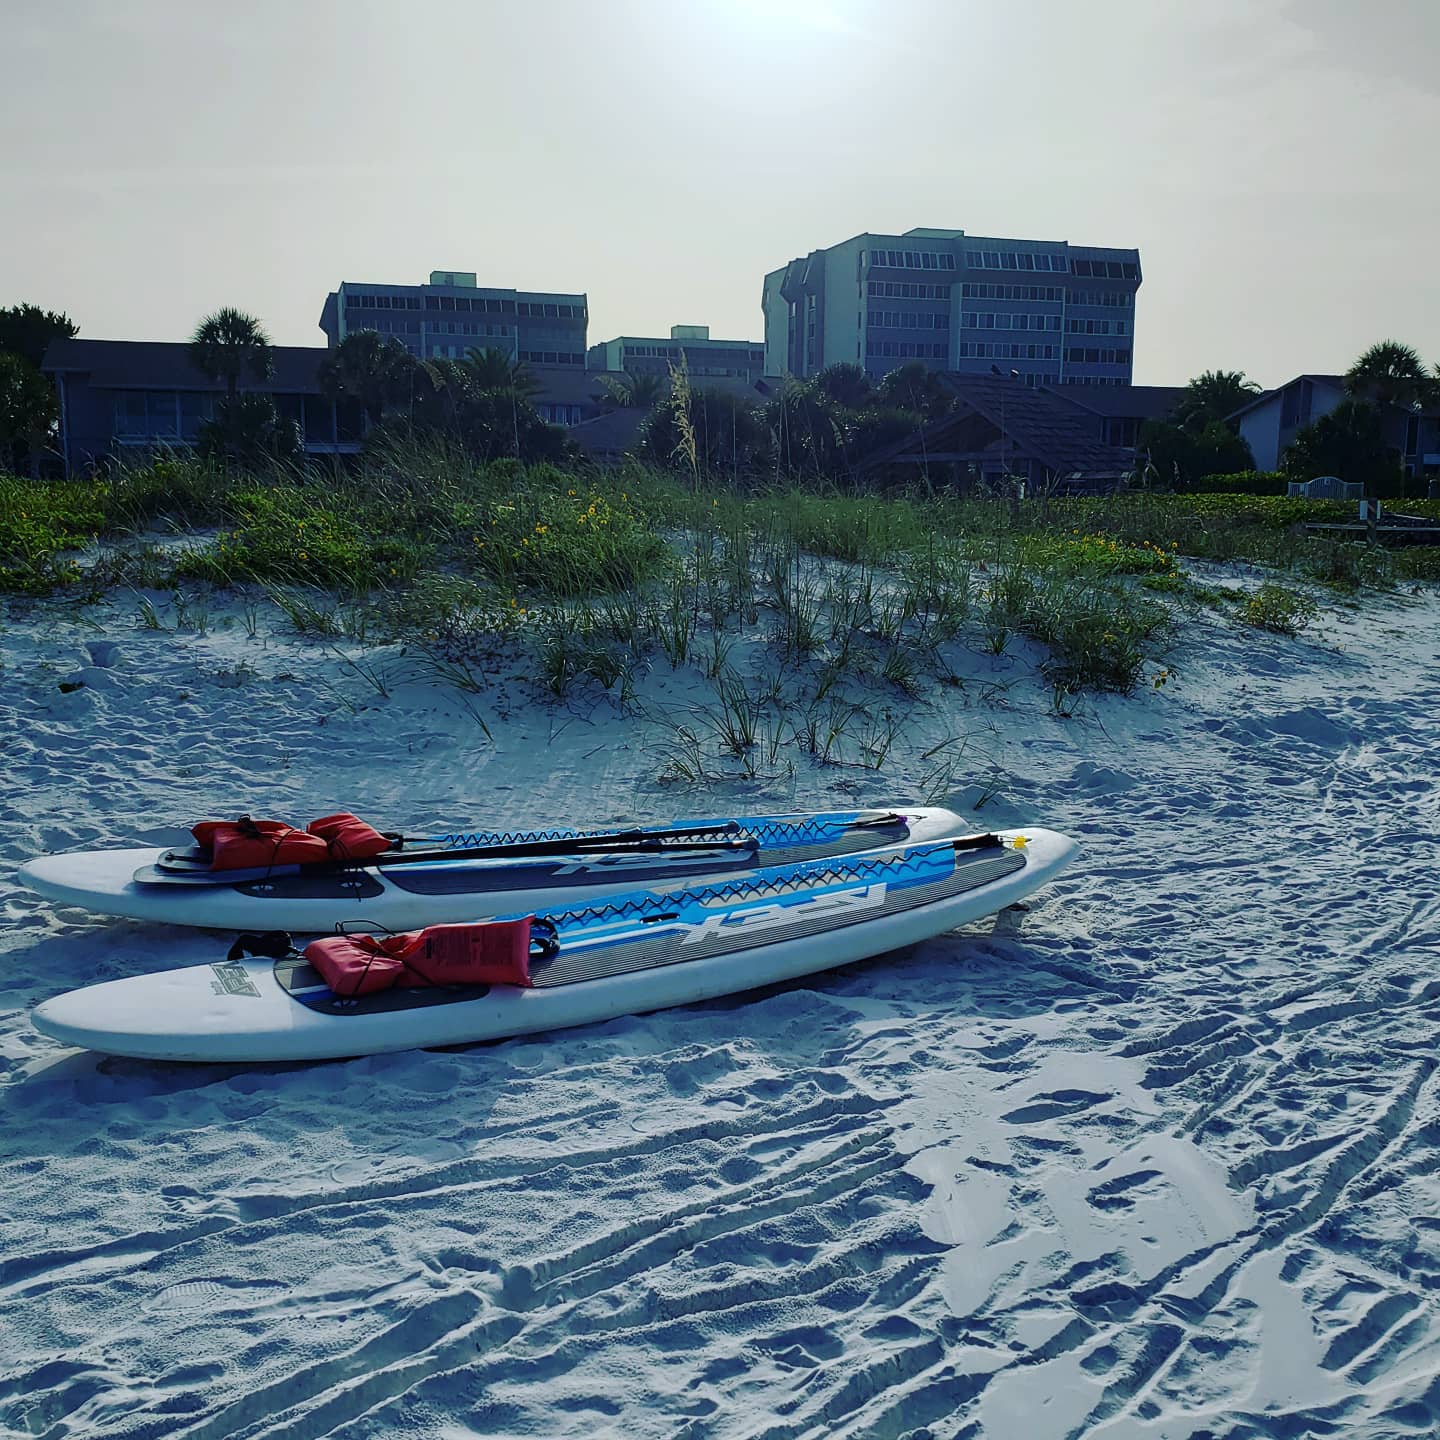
<point x="738" y="359"/>
<point x="453" y="313"/>
<point x="1053" y="312"/>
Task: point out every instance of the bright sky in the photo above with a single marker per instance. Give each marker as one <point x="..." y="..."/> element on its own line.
<point x="1275" y="161"/>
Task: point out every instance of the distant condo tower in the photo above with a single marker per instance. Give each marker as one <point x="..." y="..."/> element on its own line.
<point x="1053" y="312"/>
<point x="640" y="355"/>
<point x="452" y="313"/>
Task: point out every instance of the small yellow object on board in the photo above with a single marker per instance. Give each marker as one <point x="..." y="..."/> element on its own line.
<point x="1019" y="842"/>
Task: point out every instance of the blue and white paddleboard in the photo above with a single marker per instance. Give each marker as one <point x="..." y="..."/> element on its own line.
<point x="628" y="954"/>
<point x="458" y="880"/>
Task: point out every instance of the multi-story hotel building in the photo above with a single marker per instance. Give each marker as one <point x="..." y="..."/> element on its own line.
<point x="1052" y="312"/>
<point x="452" y="313"/>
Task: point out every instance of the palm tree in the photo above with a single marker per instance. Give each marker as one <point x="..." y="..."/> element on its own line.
<point x="496" y="370"/>
<point x="227" y="344"/>
<point x="1390" y="373"/>
<point x="846" y="384"/>
<point x="375" y="369"/>
<point x="914" y="386"/>
<point x="1214" y="395"/>
<point x="645" y="390"/>
<point x="631" y="392"/>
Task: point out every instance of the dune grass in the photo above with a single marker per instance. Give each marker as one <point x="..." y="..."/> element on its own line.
<point x="598" y="573"/>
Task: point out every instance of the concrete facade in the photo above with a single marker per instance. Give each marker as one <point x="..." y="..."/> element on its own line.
<point x="450" y="314"/>
<point x="637" y="355"/>
<point x="1052" y="312"/>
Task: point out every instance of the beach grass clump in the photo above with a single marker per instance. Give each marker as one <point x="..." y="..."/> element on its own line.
<point x="1009" y="599"/>
<point x="1345" y="565"/>
<point x="1279" y="609"/>
<point x="1099" y="637"/>
<point x="852" y="528"/>
<point x="570" y="645"/>
<point x="1417" y="563"/>
<point x="180" y="488"/>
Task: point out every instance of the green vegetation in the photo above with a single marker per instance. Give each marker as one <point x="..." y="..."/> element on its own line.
<point x="38" y="523"/>
<point x="1278" y="608"/>
<point x="1348" y="442"/>
<point x="1391" y="373"/>
<point x="597" y="574"/>
<point x="469" y="537"/>
<point x="27" y="401"/>
<point x="1242" y="482"/>
<point x="1196" y="438"/>
<point x="27" y="330"/>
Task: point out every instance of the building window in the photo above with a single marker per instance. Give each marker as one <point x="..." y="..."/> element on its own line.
<point x="159" y="414"/>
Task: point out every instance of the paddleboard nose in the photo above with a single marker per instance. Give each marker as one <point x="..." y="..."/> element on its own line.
<point x="55" y="1018"/>
<point x="1041" y="846"/>
<point x="52" y="876"/>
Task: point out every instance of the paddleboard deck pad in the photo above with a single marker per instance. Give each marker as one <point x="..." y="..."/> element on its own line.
<point x="483" y="872"/>
<point x="618" y="955"/>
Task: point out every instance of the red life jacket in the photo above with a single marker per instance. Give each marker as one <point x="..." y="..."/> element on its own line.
<point x="496" y="952"/>
<point x="247" y="844"/>
<point x="348" y="838"/>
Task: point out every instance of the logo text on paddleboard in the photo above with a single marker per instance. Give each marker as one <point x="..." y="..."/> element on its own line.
<point x="767" y="917"/>
<point x="231" y="979"/>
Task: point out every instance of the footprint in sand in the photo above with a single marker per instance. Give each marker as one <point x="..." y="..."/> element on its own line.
<point x="214" y="1295"/>
<point x="360" y="1168"/>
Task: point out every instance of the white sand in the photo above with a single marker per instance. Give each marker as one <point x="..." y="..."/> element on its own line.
<point x="1164" y="1162"/>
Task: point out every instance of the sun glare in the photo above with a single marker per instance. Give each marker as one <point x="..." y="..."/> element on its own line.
<point x="829" y="16"/>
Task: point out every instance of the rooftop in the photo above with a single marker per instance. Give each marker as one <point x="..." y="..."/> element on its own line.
<point x="1122" y="402"/>
<point x="1034" y="422"/>
<point x="166" y="365"/>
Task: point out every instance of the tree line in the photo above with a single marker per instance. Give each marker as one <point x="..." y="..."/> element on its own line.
<point x="1200" y="436"/>
<point x="820" y="428"/>
<point x="483" y="402"/>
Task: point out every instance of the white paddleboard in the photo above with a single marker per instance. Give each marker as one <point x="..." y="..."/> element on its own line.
<point x="399" y="895"/>
<point x="628" y="955"/>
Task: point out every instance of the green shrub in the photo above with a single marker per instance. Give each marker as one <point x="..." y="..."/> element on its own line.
<point x="560" y="542"/>
<point x="282" y="535"/>
<point x="859" y="529"/>
<point x="1279" y="609"/>
<point x="1095" y="554"/>
<point x="1345" y="564"/>
<point x="39" y="520"/>
<point x="180" y="487"/>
